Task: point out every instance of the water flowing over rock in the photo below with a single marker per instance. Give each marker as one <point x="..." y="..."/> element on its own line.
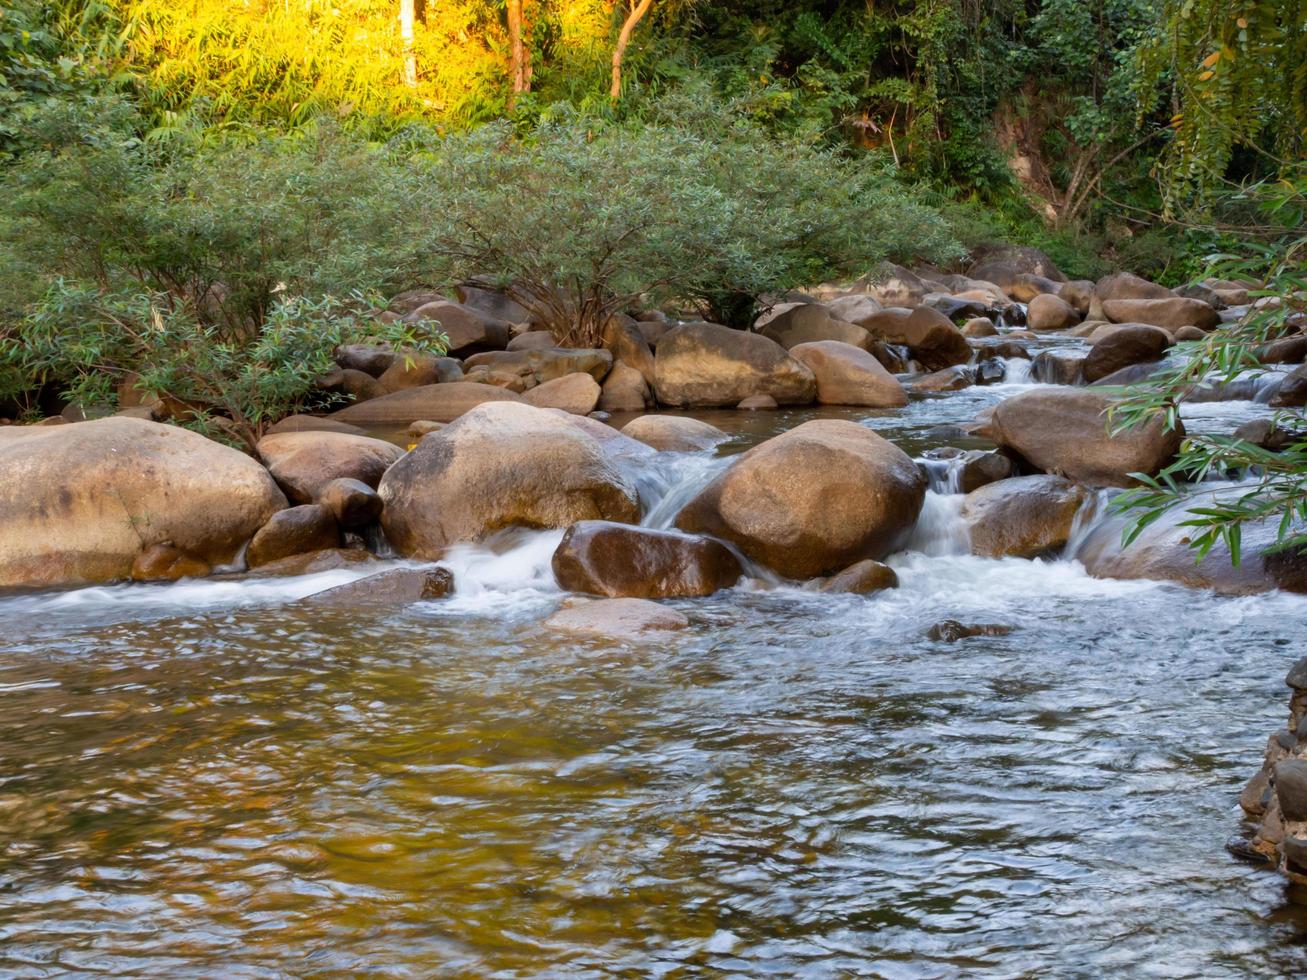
<point x="618" y="560"/>
<point x="1064" y="431"/>
<point x="80" y="502"/>
<point x="706" y="365"/>
<point x="813" y="500"/>
<point x="303" y="463"/>
<point x="502" y="464"/>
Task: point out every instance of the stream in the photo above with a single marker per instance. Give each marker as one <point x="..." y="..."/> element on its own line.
<point x="210" y="778"/>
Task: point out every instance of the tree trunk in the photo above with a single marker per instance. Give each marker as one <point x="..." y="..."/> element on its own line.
<point x="521" y="58"/>
<point x="406" y="16"/>
<point x="638" y="10"/>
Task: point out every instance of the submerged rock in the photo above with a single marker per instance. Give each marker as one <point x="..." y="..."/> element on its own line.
<point x="79" y="503"/>
<point x="813" y="500"/>
<point x="619" y="560"/>
<point x="394" y="587"/>
<point x="619" y="619"/>
<point x="501" y="465"/>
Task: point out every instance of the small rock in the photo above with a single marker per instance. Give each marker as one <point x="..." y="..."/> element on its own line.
<point x="950" y="630"/>
<point x="166" y="563"/>
<point x="674" y="433"/>
<point x="423" y="426"/>
<point x="862" y="578"/>
<point x="397" y="586"/>
<point x="1291" y="788"/>
<point x="755" y="403"/>
<point x="352" y="502"/>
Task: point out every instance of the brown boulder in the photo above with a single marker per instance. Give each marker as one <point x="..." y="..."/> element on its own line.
<point x="165" y="563"/>
<point x="1292" y="392"/>
<point x="862" y="578"/>
<point x="813" y="500"/>
<point x="354" y="384"/>
<point x="368" y="358"/>
<point x="312" y="423"/>
<point x="674" y="433"/>
<point x="468" y="329"/>
<point x="502" y="464"/>
<point x="1064" y="431"/>
<point x="293" y="531"/>
<point x="353" y="503"/>
<point x="705" y="365"/>
<point x="1025" y="516"/>
<point x="576" y="393"/>
<point x="1171" y="314"/>
<point x="848" y="375"/>
<point x="415" y="370"/>
<point x="1049" y="312"/>
<point x="533" y="340"/>
<point x="435" y="403"/>
<point x="934" y="341"/>
<point x="303" y="463"/>
<point x="1008" y="260"/>
<point x="810" y="323"/>
<point x="1126" y="285"/>
<point x="624" y="390"/>
<point x="394" y="587"/>
<point x="1130" y="345"/>
<point x="546" y="365"/>
<point x="79" y="503"/>
<point x="617" y="560"/>
<point x="980" y="326"/>
<point x="623" y="339"/>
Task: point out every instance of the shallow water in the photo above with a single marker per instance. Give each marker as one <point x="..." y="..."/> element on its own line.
<point x="214" y="779"/>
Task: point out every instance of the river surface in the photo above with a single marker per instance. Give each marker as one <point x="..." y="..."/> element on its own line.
<point x="214" y="779"/>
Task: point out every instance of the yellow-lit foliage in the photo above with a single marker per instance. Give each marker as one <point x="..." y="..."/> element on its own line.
<point x="285" y="61"/>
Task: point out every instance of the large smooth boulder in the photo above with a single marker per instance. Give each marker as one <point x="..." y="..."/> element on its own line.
<point x="303" y="463"/>
<point x="293" y="531"/>
<point x="812" y="322"/>
<point x="502" y="464"/>
<point x="414" y="370"/>
<point x="368" y="358"/>
<point x="616" y="619"/>
<point x="1126" y="285"/>
<point x="931" y="336"/>
<point x="1171" y="313"/>
<point x="435" y="403"/>
<point x="1049" y="312"/>
<point x="1162" y="551"/>
<point x="1025" y="516"/>
<point x="706" y="365"/>
<point x="79" y="503"/>
<point x="848" y="375"/>
<point x="995" y="262"/>
<point x="1131" y="344"/>
<point x="624" y="390"/>
<point x="616" y="560"/>
<point x="813" y="500"/>
<point x="854" y="307"/>
<point x="468" y="329"/>
<point x="1065" y="431"/>
<point x="492" y="302"/>
<point x="576" y="393"/>
<point x="674" y="433"/>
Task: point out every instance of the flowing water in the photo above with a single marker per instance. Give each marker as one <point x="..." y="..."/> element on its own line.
<point x="215" y="779"/>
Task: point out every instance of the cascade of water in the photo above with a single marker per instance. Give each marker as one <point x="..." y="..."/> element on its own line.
<point x="944" y="476"/>
<point x="940" y="528"/>
<point x="1016" y="371"/>
<point x="1093" y="510"/>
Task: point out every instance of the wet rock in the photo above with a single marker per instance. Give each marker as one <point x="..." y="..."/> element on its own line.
<point x="1297" y="676"/>
<point x="415" y="370"/>
<point x="1002" y="348"/>
<point x="436" y="403"/>
<point x="990" y="371"/>
<point x="1265" y="434"/>
<point x="1170" y="314"/>
<point x="931" y="337"/>
<point x="394" y="587"/>
<point x="674" y="433"/>
<point x="314" y="563"/>
<point x="353" y="503"/>
<point x="80" y="502"/>
<point x="294" y="531"/>
<point x="1049" y="312"/>
<point x="981" y="326"/>
<point x="848" y="375"/>
<point x="1064" y="431"/>
<point x="706" y="365"/>
<point x="813" y="323"/>
<point x="979" y="468"/>
<point x="576" y="393"/>
<point x="1290" y="780"/>
<point x="468" y="329"/>
<point x="165" y="563"/>
<point x="813" y="500"/>
<point x="618" y="560"/>
<point x="1023" y="517"/>
<point x="1286" y="350"/>
<point x="619" y="619"/>
<point x="500" y="465"/>
<point x="950" y="630"/>
<point x="1187" y="334"/>
<point x="757" y="403"/>
<point x="1058" y="367"/>
<point x="949" y="379"/>
<point x="1130" y="345"/>
<point x="862" y="578"/>
<point x="303" y="463"/>
<point x="1292" y="392"/>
